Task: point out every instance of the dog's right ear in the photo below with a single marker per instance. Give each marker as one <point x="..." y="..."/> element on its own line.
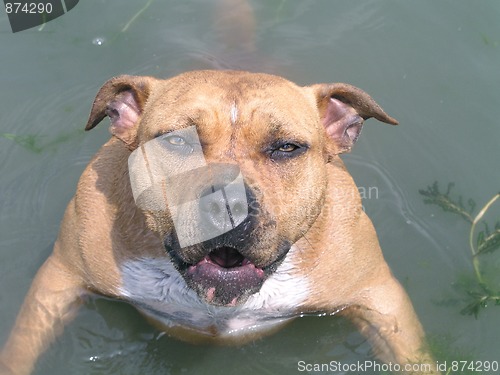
<point x="122" y="99"/>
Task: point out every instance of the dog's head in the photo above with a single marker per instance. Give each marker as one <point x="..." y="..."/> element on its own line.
<point x="230" y="167"/>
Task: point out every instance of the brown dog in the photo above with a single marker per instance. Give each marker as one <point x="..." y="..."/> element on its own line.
<point x="221" y="209"/>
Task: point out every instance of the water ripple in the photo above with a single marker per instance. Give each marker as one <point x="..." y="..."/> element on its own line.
<point x="398" y="197"/>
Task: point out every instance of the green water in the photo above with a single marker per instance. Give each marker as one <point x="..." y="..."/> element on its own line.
<point x="434" y="65"/>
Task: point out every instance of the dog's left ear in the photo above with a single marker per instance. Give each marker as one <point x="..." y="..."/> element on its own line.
<point x="122" y="99"/>
<point x="343" y="109"/>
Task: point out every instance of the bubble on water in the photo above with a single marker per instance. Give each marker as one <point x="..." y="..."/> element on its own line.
<point x="98" y="41"/>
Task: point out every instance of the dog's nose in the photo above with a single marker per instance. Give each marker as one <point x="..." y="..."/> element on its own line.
<point x="224" y="207"/>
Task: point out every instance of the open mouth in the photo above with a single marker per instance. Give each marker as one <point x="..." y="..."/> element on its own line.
<point x="224" y="277"/>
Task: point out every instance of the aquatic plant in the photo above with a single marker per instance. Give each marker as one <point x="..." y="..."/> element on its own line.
<point x="136" y="15"/>
<point x="478" y="291"/>
<point x="29" y="141"/>
<point x="443" y="200"/>
<point x="32" y="142"/>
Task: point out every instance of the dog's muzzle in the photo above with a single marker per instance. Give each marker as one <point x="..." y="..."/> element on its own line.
<point x="214" y="215"/>
<point x="227" y="269"/>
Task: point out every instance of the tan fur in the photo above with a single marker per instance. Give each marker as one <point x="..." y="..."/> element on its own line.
<point x="310" y="199"/>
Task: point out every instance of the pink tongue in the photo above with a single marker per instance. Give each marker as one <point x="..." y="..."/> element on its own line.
<point x="226" y="257"/>
<point x="225" y="276"/>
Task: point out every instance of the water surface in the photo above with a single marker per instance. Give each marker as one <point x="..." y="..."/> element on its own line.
<point x="431" y="64"/>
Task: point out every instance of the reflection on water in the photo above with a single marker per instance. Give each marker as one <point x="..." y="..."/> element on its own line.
<point x="435" y="70"/>
<point x="98" y="41"/>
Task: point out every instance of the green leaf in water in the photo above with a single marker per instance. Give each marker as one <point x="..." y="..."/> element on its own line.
<point x="488" y="242"/>
<point x="477" y="292"/>
<point x="29" y="141"/>
<point x="434" y="196"/>
<point x="488" y="42"/>
<point x="477" y="297"/>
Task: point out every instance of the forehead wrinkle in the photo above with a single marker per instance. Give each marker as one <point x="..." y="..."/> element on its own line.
<point x="213" y="128"/>
<point x="278" y="127"/>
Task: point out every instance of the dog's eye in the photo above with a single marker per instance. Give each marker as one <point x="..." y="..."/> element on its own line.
<point x="285" y="150"/>
<point x="288" y="147"/>
<point x="175" y="140"/>
<point x="177" y="144"/>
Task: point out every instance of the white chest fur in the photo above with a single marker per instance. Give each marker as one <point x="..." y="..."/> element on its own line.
<point x="155" y="286"/>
